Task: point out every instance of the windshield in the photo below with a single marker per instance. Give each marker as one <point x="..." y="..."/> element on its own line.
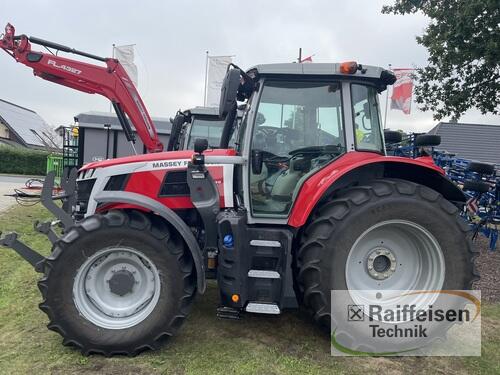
<point x="292" y="116"/>
<point x="210" y="130"/>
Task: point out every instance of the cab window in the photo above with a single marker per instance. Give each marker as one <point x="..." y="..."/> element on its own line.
<point x="366" y="118"/>
<point x="210" y="130"/>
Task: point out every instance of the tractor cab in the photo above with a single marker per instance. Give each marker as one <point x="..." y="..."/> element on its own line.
<point x="298" y="118"/>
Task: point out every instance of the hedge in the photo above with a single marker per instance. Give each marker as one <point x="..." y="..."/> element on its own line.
<point x="22" y="161"/>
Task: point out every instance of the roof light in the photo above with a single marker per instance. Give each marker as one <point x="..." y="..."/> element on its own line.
<point x="348" y="67"/>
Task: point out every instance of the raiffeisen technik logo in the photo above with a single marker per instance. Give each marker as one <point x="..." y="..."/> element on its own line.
<point x="445" y="322"/>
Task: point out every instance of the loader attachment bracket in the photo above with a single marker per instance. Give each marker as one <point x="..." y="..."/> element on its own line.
<point x="48" y="202"/>
<point x="46" y="228"/>
<point x="68" y="184"/>
<point x="26" y="252"/>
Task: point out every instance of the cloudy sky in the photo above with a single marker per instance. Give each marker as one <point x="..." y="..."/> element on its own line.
<point x="172" y="37"/>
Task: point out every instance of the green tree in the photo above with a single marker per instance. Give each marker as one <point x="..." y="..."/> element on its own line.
<point x="463" y="40"/>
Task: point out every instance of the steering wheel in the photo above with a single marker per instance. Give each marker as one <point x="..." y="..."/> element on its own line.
<point x="269" y="157"/>
<point x="275" y="139"/>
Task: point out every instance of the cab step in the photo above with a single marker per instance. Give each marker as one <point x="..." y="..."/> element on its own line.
<point x="264" y="274"/>
<point x="263" y="308"/>
<point x="225" y="312"/>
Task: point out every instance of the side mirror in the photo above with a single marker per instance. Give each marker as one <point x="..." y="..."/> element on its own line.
<point x="229" y="90"/>
<point x="257" y="161"/>
<point x="200" y="145"/>
<point x="177" y="123"/>
<point x="387" y="77"/>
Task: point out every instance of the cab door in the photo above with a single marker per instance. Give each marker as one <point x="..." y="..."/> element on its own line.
<point x="298" y="127"/>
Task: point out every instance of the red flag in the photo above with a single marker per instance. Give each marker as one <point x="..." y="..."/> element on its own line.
<point x="472" y="205"/>
<point x="402" y="90"/>
<point x="307" y="59"/>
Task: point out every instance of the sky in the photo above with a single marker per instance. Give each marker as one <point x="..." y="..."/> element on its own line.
<point x="172" y="38"/>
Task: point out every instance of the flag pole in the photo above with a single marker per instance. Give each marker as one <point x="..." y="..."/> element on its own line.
<point x="113" y="56"/>
<point x="386" y="102"/>
<point x="206" y="77"/>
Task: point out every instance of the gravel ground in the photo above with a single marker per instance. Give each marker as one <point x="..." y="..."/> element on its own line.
<point x="488" y="265"/>
<point x="7" y="188"/>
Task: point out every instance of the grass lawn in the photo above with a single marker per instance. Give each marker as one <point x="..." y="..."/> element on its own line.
<point x="288" y="344"/>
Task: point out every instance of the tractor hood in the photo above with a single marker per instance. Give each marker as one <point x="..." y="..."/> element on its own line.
<point x="159" y="176"/>
<point x="156" y="157"/>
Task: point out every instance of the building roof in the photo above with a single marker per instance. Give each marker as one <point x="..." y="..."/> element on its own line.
<point x="470" y="141"/>
<point x="96" y="120"/>
<point x="8" y="142"/>
<point x="27" y="125"/>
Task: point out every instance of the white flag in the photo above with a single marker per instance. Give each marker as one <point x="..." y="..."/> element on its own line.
<point x="402" y="90"/>
<point x="125" y="54"/>
<point x="217" y="68"/>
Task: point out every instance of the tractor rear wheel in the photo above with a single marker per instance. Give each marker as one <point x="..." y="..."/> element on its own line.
<point x="386" y="235"/>
<point x="117" y="283"/>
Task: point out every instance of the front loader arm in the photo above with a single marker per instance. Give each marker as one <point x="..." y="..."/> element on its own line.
<point x="111" y="81"/>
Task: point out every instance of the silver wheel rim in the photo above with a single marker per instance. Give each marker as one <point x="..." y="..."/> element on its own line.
<point x="116" y="288"/>
<point x="394" y="255"/>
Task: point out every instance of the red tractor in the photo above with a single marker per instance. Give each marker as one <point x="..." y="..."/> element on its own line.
<point x="305" y="202"/>
<point x="197" y="122"/>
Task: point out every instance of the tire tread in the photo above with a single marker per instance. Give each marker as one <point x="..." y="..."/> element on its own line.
<point x="135" y="220"/>
<point x="315" y="235"/>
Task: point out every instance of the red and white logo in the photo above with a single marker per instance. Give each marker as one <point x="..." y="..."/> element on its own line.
<point x="402" y="90"/>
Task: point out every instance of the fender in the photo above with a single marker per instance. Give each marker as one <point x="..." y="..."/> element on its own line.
<point x="364" y="166"/>
<point x="170" y="216"/>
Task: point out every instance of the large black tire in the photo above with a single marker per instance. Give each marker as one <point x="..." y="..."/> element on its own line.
<point x="154" y="239"/>
<point x="427" y="140"/>
<point x="392" y="136"/>
<point x="334" y="228"/>
<point x="482" y="168"/>
<point x="479" y="186"/>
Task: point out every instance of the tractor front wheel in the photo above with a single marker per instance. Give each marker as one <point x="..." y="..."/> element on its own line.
<point x="118" y="283"/>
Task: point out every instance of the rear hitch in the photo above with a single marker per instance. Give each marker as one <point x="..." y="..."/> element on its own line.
<point x="26" y="252"/>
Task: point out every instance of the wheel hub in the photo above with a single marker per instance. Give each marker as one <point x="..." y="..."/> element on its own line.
<point x="381" y="264"/>
<point x="394" y="255"/>
<point x="116" y="288"/>
<point x="121" y="282"/>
